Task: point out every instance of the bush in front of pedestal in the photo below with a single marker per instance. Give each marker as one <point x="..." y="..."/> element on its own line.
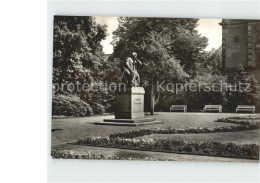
<point x="212" y="148"/>
<point x="70" y="106"/>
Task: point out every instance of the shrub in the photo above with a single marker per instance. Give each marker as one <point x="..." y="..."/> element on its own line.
<point x="98" y="108"/>
<point x="250" y="151"/>
<point x="70" y="106"/>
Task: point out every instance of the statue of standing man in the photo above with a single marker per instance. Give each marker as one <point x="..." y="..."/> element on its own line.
<point x="130" y="75"/>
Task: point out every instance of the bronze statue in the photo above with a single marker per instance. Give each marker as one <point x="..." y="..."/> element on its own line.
<point x="130" y="75"/>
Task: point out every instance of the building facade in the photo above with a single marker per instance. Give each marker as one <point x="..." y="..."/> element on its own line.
<point x="240" y="43"/>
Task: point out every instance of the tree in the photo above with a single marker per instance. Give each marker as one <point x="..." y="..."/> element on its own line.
<point x="78" y="57"/>
<point x="160" y="68"/>
<point x="184" y="42"/>
<point x="210" y="87"/>
<point x="212" y="58"/>
<point x="245" y="89"/>
<point x="77" y="53"/>
<point x="168" y="48"/>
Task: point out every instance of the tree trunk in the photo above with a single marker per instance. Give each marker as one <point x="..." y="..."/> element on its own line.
<point x="157" y="100"/>
<point x="152" y="102"/>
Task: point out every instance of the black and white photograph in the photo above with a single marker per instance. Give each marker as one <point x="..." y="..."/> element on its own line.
<point x="130" y="91"/>
<point x="155" y="89"/>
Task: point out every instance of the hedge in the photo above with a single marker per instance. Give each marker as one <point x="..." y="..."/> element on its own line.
<point x="249" y="151"/>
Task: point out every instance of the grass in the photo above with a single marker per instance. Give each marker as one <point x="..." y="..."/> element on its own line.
<point x="74" y="128"/>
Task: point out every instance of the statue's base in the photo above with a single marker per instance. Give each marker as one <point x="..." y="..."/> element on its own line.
<point x="130" y="109"/>
<point x="129" y="122"/>
<point x="130" y="103"/>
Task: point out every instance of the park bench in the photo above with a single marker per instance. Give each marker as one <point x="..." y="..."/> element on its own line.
<point x="245" y="108"/>
<point x="210" y="108"/>
<point x="178" y="108"/>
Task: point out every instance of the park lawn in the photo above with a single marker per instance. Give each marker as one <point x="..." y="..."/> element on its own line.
<point x="240" y="137"/>
<point x="67" y="130"/>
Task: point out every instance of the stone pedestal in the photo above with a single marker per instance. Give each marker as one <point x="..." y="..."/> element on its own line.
<point x="130" y="109"/>
<point x="130" y="103"/>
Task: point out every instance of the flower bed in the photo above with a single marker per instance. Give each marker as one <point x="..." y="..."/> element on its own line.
<point x="142" y="132"/>
<point x="242" y="117"/>
<point x="250" y="120"/>
<point x="67" y="155"/>
<point x="250" y="151"/>
<point x="245" y="123"/>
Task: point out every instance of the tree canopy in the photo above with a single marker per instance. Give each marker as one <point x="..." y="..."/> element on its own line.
<point x="183" y="40"/>
<point x="78" y="59"/>
<point x="77" y="53"/>
<point x="171" y="50"/>
<point x="167" y="47"/>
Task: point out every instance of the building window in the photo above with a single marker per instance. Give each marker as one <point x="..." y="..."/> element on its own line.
<point x="236" y="39"/>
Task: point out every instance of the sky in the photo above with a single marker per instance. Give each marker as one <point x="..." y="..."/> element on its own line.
<point x="209" y="28"/>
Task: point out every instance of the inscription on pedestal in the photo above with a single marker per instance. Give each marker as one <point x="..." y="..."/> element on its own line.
<point x="137" y="101"/>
